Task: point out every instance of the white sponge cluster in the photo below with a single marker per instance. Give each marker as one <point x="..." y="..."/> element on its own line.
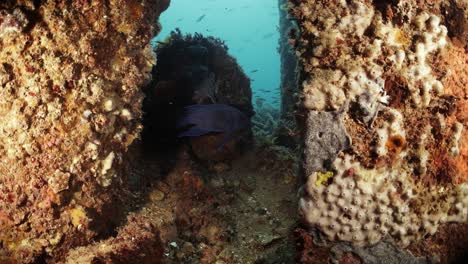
<point x="366" y="80"/>
<point x="460" y="212"/>
<point x="332" y="88"/>
<point x="428" y="37"/>
<point x="354" y="19"/>
<point x="454" y="146"/>
<point x="433" y="39"/>
<point x="324" y="89"/>
<point x="363" y="206"/>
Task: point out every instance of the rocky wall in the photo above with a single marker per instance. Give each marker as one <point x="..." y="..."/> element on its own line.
<point x="384" y="91"/>
<point x="136" y="242"/>
<point x="70" y="105"/>
<point x="289" y="67"/>
<point x="286" y="132"/>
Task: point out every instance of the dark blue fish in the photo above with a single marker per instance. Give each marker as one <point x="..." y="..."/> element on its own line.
<point x="201" y="119"/>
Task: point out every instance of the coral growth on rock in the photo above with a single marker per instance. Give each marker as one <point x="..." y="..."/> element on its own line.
<point x="394" y="78"/>
<point x="70" y="104"/>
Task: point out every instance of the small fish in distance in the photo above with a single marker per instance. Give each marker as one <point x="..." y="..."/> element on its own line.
<point x="269" y="35"/>
<point x="200" y="18"/>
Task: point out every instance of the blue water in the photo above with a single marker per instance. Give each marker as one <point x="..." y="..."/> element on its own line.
<point x="249" y="29"/>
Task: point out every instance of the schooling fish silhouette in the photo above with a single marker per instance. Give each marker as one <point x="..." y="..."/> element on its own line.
<point x="201" y="119"/>
<point x="269" y="35"/>
<point x="200" y="18"/>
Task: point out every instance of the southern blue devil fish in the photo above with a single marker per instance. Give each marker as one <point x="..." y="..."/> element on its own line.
<point x="202" y="119"/>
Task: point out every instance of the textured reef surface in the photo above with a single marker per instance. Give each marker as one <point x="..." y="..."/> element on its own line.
<point x="382" y="115"/>
<point x="71" y="74"/>
<point x="384" y="89"/>
<point x="136" y="242"/>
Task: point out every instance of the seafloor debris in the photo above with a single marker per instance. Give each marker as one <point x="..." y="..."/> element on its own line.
<point x="70" y="103"/>
<point x="385" y="66"/>
<point x="200" y="211"/>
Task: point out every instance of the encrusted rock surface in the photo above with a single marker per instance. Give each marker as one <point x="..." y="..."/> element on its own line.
<point x="136" y="242"/>
<point x="289" y="63"/>
<point x="70" y="105"/>
<point x="397" y="70"/>
<point x="286" y="130"/>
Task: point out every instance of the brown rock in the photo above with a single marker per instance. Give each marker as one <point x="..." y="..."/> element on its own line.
<point x="136" y="242"/>
<point x="70" y="103"/>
